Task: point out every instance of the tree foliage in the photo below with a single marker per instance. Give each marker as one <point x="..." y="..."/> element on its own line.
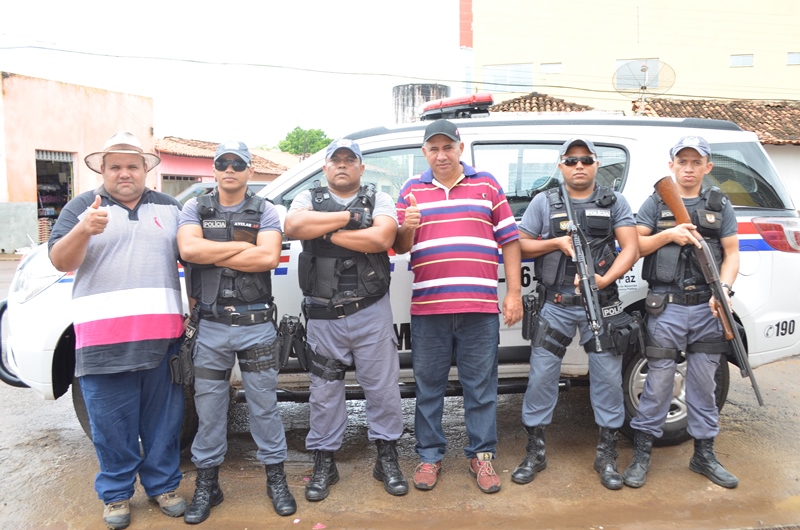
<point x="301" y="141"/>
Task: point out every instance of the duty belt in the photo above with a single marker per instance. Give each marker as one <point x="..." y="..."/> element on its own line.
<point x="568" y="300"/>
<point x="240" y="315"/>
<point x="689" y="298"/>
<point x="338" y="311"/>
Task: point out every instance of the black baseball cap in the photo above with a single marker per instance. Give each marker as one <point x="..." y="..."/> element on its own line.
<point x="444" y="127"/>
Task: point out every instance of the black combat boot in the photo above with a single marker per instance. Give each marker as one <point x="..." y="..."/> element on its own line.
<point x="534" y="460"/>
<point x="278" y="490"/>
<point x="387" y="470"/>
<point x="206" y="494"/>
<point x="705" y="462"/>
<point x="325" y="474"/>
<point x="606" y="461"/>
<point x="636" y="473"/>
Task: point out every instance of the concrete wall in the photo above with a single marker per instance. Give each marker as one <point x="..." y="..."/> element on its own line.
<point x="696" y="39"/>
<point x="39" y="114"/>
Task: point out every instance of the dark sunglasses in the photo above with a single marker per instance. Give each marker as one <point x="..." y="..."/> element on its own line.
<point x="573" y="160"/>
<point x="222" y="165"/>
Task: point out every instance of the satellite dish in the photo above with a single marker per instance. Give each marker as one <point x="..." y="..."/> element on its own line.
<point x="643" y="79"/>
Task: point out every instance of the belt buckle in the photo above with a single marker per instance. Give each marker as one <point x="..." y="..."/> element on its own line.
<point x="339" y="311"/>
<point x="236" y="316"/>
<point x="692" y="298"/>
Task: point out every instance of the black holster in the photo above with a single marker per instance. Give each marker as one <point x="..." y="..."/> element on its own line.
<point x="292" y="336"/>
<point x="531" y="304"/>
<point x="182" y="367"/>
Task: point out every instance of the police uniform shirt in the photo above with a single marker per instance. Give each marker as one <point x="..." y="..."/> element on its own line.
<point x="270" y="220"/>
<point x="648" y="215"/>
<point x="384" y="205"/>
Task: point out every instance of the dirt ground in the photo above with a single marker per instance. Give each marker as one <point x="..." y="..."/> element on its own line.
<point x="47" y="469"/>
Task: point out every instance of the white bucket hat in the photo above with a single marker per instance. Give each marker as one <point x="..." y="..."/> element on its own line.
<point x="121" y="142"/>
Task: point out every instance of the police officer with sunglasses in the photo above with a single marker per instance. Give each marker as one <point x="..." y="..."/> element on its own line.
<point x="604" y="216"/>
<point x="231" y="240"/>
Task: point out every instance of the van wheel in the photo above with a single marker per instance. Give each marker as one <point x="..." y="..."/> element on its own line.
<point x="188" y="427"/>
<point x="675" y="428"/>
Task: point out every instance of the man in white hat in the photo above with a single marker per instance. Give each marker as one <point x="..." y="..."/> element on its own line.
<point x="121" y="238"/>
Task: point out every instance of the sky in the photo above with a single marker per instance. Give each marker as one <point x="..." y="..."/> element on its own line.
<point x="251" y="70"/>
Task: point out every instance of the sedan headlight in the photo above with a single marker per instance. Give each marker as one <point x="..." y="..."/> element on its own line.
<point x="34" y="274"/>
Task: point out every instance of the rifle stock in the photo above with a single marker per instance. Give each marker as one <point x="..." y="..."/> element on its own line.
<point x="668" y="192"/>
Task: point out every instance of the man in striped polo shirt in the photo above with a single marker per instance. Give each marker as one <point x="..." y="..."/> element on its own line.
<point x="128" y="318"/>
<point x="452" y="219"/>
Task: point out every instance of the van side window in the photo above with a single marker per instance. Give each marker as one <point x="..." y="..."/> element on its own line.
<point x="525" y="169"/>
<point x="388" y="170"/>
<point x="743" y="173"/>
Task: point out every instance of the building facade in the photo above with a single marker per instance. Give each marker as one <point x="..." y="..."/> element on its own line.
<point x="46" y="130"/>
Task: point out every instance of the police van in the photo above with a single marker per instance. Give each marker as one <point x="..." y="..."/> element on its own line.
<point x="521" y="151"/>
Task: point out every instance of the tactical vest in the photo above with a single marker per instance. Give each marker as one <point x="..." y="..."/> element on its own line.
<point x="219" y="285"/>
<point x="336" y="273"/>
<point x="557" y="269"/>
<point x="677" y="265"/>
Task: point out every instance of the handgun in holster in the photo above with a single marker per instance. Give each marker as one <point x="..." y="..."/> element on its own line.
<point x="530" y="313"/>
<point x="181" y="366"/>
<point x="292" y="335"/>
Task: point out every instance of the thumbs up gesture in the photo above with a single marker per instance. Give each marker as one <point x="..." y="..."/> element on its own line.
<point x="95" y="218"/>
<point x="413" y="215"/>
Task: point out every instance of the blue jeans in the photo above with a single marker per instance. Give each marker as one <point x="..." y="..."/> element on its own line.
<point x="473" y="338"/>
<point x="124" y="408"/>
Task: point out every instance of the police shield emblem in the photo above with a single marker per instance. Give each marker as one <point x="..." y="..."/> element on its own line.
<point x="711" y="218"/>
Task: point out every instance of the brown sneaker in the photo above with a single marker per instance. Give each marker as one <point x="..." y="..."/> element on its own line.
<point x="481" y="468"/>
<point x="170" y="503"/>
<point x="425" y="475"/>
<point x="117" y="514"/>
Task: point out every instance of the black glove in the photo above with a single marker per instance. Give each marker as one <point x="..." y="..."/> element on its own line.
<point x="359" y="218"/>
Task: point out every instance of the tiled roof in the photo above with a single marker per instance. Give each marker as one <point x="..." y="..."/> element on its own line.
<point x="200" y="149"/>
<point x="775" y="122"/>
<point x="535" y="102"/>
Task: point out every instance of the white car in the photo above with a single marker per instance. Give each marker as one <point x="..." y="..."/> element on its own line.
<point x="522" y="152"/>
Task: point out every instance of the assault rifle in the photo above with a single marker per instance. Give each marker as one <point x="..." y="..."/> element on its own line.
<point x="669" y="194"/>
<point x="583" y="259"/>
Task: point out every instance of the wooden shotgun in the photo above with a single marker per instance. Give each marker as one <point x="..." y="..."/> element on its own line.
<point x="669" y="194"/>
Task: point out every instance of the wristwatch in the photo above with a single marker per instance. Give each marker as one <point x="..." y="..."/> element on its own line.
<point x="728" y="287"/>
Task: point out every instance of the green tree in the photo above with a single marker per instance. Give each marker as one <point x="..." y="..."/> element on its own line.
<point x="301" y="141"/>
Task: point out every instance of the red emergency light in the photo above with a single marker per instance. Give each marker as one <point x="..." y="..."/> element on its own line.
<point x="457" y="106"/>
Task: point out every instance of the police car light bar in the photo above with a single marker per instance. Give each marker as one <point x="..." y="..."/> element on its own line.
<point x="457" y="107"/>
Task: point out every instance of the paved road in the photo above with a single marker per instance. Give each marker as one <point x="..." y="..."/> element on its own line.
<point x="48" y="468"/>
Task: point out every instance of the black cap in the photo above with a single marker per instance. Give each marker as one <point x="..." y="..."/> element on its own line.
<point x="444" y="127"/>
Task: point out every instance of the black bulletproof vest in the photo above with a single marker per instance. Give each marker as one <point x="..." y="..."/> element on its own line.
<point x="594" y="218"/>
<point x="677" y="265"/>
<point x="210" y="284"/>
<point x="336" y="273"/>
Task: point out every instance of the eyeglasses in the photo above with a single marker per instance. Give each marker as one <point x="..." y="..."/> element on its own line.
<point x="573" y="160"/>
<point x="238" y="165"/>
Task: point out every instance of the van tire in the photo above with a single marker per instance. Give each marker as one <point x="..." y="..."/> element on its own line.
<point x="676" y="427"/>
<point x="188" y="427"/>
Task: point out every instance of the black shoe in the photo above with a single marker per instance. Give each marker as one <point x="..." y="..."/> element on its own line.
<point x="325" y="474"/>
<point x="636" y="473"/>
<point x="534" y="460"/>
<point x="704" y="461"/>
<point x="387" y="470"/>
<point x="605" y="462"/>
<point x="278" y="490"/>
<point x="207" y="494"/>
